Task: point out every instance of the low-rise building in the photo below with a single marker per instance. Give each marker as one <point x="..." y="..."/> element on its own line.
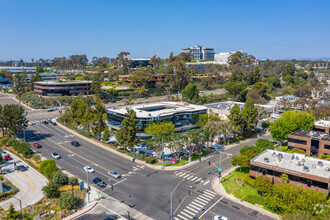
<point x="314" y="143"/>
<point x="183" y="115"/>
<point x="322" y="125"/>
<point x="54" y="88"/>
<point x="302" y="170"/>
<point x="290" y="98"/>
<point x="20" y="69"/>
<point x="222" y="109"/>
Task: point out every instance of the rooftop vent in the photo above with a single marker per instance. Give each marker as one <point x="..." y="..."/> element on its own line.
<point x="274" y="153"/>
<point x="306" y="168"/>
<point x="297" y="157"/>
<point x="320" y="163"/>
<point x="313" y="166"/>
<point x="300" y="163"/>
<point x="149" y="114"/>
<point x="280" y="155"/>
<point x="266" y="160"/>
<point x="303" y="160"/>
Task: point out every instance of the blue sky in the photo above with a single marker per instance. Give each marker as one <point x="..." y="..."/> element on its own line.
<point x="276" y="29"/>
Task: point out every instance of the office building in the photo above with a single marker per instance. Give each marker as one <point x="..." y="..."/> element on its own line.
<point x="222" y="58"/>
<point x="181" y="114"/>
<point x="136" y="62"/>
<point x="306" y="171"/>
<point x="14" y="70"/>
<point x="54" y="88"/>
<point x="314" y="143"/>
<point x="322" y="125"/>
<point x="200" y="53"/>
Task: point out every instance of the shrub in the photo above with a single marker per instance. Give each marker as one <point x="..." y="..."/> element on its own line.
<point x="51" y="190"/>
<point x="1" y="178"/>
<point x="66" y="200"/>
<point x="150" y="160"/>
<point x="48" y="168"/>
<point x="73" y="181"/>
<point x="21" y="147"/>
<point x="3" y="141"/>
<point x="247" y="179"/>
<point x="60" y="178"/>
<point x="36" y="158"/>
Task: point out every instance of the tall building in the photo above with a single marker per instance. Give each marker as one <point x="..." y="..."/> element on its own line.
<point x="200" y="53"/>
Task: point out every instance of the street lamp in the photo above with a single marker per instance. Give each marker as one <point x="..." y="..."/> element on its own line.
<point x="88" y="188"/>
<point x="219" y="169"/>
<point x="171" y="202"/>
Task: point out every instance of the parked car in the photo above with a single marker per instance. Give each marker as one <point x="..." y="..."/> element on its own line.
<point x="49" y="121"/>
<point x="8" y="157"/>
<point x="89" y="169"/>
<point x="21" y="168"/>
<point x="50" y="110"/>
<point x="217" y="217"/>
<point x="168" y="157"/>
<point x="36" y="145"/>
<point x="56" y="156"/>
<point x="75" y="143"/>
<point x="148" y="155"/>
<point x="4" y="153"/>
<point x="45" y="122"/>
<point x="99" y="182"/>
<point x="114" y="174"/>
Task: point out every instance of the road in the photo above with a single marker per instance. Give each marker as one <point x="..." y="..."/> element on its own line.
<point x="142" y="188"/>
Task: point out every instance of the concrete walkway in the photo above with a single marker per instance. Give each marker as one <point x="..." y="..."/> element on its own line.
<point x="218" y="188"/>
<point x="29" y="183"/>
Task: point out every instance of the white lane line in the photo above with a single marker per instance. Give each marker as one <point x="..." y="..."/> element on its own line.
<point x="208" y="196"/>
<point x="194" y="178"/>
<point x="182" y="174"/>
<point x="201" y="206"/>
<point x="190" y="177"/>
<point x="198" y="208"/>
<point x="180" y="216"/>
<point x="210" y="192"/>
<point x="176" y="218"/>
<point x="209" y="208"/>
<point x="183" y="213"/>
<point x="206" y="182"/>
<point x="191" y="209"/>
<point x="199" y="202"/>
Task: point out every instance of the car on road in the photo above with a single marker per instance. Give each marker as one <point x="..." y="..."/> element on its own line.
<point x="36" y="145"/>
<point x="54" y="123"/>
<point x="50" y="110"/>
<point x="114" y="174"/>
<point x="8" y="157"/>
<point x="31" y="123"/>
<point x="56" y="156"/>
<point x="99" y="182"/>
<point x="21" y="168"/>
<point x="89" y="169"/>
<point x="75" y="143"/>
<point x="45" y="122"/>
<point x="4" y="153"/>
<point x="217" y="217"/>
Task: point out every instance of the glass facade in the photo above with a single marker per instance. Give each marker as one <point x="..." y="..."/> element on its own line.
<point x="297" y="141"/>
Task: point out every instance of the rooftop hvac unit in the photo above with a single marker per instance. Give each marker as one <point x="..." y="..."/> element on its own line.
<point x="306" y="168"/>
<point x="320" y="163"/>
<point x="273" y="154"/>
<point x="266" y="160"/>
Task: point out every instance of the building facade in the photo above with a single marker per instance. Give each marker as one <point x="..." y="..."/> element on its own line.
<point x="306" y="171"/>
<point x="183" y="115"/>
<point x="314" y="143"/>
<point x="222" y="58"/>
<point x="200" y="53"/>
<point x="322" y="125"/>
<point x="54" y="88"/>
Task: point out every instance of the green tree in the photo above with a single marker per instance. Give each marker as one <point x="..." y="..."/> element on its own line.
<point x="249" y="115"/>
<point x="67" y="202"/>
<point x="177" y="76"/>
<point x="289" y="69"/>
<point x="202" y="120"/>
<point x="142" y="76"/>
<point x="51" y="190"/>
<point x="240" y="160"/>
<point x="261" y="88"/>
<point x="159" y="129"/>
<point x="284" y="178"/>
<point x="37" y="77"/>
<point x="290" y="122"/>
<point x="263" y="184"/>
<point x="17" y="84"/>
<point x="60" y="178"/>
<point x="39" y="69"/>
<point x="48" y="168"/>
<point x="12" y="119"/>
<point x="106" y="134"/>
<point x="96" y="84"/>
<point x="190" y="93"/>
<point x="126" y="135"/>
<point x="235" y="117"/>
<point x="253" y="76"/>
<point x="73" y="181"/>
<point x="12" y="213"/>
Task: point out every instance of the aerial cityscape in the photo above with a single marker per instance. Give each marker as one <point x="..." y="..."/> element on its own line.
<point x="180" y="110"/>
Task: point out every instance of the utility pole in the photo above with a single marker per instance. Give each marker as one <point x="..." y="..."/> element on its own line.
<point x="72" y="196"/>
<point x="171" y="202"/>
<point x="87" y="186"/>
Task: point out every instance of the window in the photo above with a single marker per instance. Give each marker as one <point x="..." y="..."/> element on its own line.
<point x="292" y="140"/>
<point x="327" y="146"/>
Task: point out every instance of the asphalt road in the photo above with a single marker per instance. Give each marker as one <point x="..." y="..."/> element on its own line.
<point x="141" y="188"/>
<point x="6" y="99"/>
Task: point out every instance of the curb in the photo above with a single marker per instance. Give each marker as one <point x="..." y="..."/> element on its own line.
<point x="22" y="104"/>
<point x="83" y="213"/>
<point x="222" y="192"/>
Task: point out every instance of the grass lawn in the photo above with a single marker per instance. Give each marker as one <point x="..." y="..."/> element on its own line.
<point x="247" y="193"/>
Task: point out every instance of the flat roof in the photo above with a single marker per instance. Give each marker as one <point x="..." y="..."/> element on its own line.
<point x="295" y="163"/>
<point x="157" y="109"/>
<point x="316" y="135"/>
<point x="229" y="104"/>
<point x="323" y="123"/>
<point x="66" y="82"/>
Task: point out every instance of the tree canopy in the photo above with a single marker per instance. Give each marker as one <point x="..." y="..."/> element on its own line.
<point x="126" y="135"/>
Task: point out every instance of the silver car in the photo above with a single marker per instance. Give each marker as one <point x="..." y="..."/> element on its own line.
<point x="114" y="174"/>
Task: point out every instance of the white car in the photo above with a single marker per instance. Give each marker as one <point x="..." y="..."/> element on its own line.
<point x="56" y="156"/>
<point x="89" y="169"/>
<point x="114" y="174"/>
<point x="218" y="217"/>
<point x="31" y="123"/>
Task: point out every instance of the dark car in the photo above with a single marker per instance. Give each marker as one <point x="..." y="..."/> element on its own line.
<point x="45" y="122"/>
<point x="99" y="182"/>
<point x="75" y="143"/>
<point x="49" y="121"/>
<point x="54" y="123"/>
<point x="21" y="168"/>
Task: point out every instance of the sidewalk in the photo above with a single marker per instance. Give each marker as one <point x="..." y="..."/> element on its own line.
<point x="218" y="188"/>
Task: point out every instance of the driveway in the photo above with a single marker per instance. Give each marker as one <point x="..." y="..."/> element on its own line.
<point x="29" y="183"/>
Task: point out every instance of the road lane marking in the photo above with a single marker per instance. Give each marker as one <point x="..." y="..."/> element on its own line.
<point x="184" y="176"/>
<point x="180" y="216"/>
<point x="206" y="182"/>
<point x="193" y="210"/>
<point x="199" y="179"/>
<point x="199" y="202"/>
<point x="208" y="196"/>
<point x="210" y="166"/>
<point x="210" y="192"/>
<point x="190" y="177"/>
<point x="178" y="173"/>
<point x="196" y="204"/>
<point x="203" y="197"/>
<point x="189" y="216"/>
<point x="194" y="178"/>
<point x="209" y="208"/>
<point x="181" y="175"/>
<point x="198" y="208"/>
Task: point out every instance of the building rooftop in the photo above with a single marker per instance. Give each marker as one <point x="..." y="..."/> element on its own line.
<point x="295" y="163"/>
<point x="323" y="123"/>
<point x="157" y="109"/>
<point x="66" y="82"/>
<point x="316" y="135"/>
<point x="228" y="105"/>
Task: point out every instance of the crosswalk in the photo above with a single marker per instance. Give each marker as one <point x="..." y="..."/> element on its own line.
<point x="36" y="122"/>
<point x="195" y="206"/>
<point x="191" y="177"/>
<point x="135" y="169"/>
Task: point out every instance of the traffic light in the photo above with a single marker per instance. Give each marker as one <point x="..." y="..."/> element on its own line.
<point x="209" y="162"/>
<point x="219" y="173"/>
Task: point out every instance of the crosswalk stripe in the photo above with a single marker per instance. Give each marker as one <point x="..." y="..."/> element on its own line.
<point x="180" y="216"/>
<point x="189" y="216"/>
<point x="193" y="210"/>
<point x="192" y="205"/>
<point x="199" y="202"/>
<point x="194" y="178"/>
<point x="184" y="176"/>
<point x="201" y="206"/>
<point x="199" y="179"/>
<point x="208" y="196"/>
<point x="190" y="177"/>
<point x="206" y="182"/>
<point x="177" y="173"/>
<point x="203" y="197"/>
<point x="176" y="218"/>
<point x="210" y="192"/>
